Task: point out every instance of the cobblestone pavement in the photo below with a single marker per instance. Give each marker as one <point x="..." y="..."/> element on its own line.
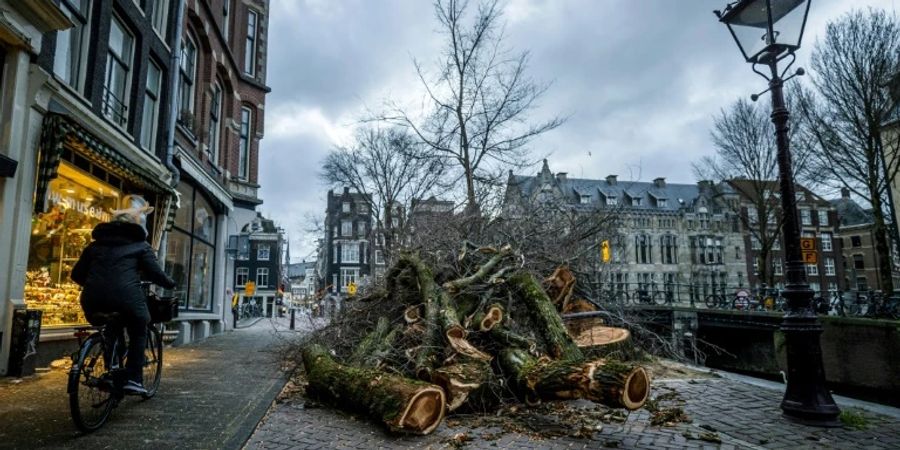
<point x="739" y="414"/>
<point x="213" y="394"/>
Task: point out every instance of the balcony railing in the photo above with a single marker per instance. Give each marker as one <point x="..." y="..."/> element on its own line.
<point x="113" y="108"/>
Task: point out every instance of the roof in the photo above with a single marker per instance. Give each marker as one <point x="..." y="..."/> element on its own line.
<point x="750" y="189"/>
<point x="850" y="213"/>
<point x="299" y="269"/>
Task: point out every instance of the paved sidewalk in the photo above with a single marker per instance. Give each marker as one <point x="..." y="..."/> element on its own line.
<point x="212" y="395"/>
<point x="739" y="414"/>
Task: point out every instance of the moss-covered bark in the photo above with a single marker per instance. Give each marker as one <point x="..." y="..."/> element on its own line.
<point x="375" y="346"/>
<point x="607" y="382"/>
<point x="547" y="321"/>
<point x="402" y="404"/>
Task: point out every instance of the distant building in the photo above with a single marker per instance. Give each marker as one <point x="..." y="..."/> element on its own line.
<point x="674" y="237"/>
<point x="260" y="261"/>
<point x="302" y="278"/>
<point x="857" y="236"/>
<point x="349" y="249"/>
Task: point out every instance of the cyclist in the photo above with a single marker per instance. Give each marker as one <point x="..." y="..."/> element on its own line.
<point x="109" y="272"/>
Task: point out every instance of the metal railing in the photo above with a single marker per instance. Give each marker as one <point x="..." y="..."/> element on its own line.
<point x="113" y="108"/>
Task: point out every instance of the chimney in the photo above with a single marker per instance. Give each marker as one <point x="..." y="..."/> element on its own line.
<point x="660" y="182"/>
<point x="845" y="193"/>
<point x="561" y="176"/>
<point x="611" y="180"/>
<point x="704" y="185"/>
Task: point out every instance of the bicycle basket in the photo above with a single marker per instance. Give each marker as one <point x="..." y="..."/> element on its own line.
<point x="162" y="309"/>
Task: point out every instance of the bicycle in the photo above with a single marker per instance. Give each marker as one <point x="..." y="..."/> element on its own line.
<point x="718" y="300"/>
<point x="614" y="297"/>
<point x="881" y="306"/>
<point x="97" y="377"/>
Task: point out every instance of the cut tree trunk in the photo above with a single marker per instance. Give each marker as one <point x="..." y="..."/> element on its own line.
<point x="608" y="382"/>
<point x="455" y="333"/>
<point x="461" y="379"/>
<point x="488" y="319"/>
<point x="375" y="346"/>
<point x="402" y="404"/>
<point x="546" y="318"/>
<point x="560" y="286"/>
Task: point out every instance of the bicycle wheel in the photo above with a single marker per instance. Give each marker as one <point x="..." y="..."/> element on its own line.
<point x="741" y="303"/>
<point x="659" y="297"/>
<point x="711" y="301"/>
<point x="90" y="387"/>
<point x="153" y="358"/>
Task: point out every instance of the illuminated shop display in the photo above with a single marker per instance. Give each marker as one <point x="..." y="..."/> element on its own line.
<point x="76" y="203"/>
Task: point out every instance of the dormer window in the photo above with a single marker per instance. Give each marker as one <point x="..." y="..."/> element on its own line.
<point x="636" y="201"/>
<point x="611" y="200"/>
<point x="661" y="203"/>
<point x="585" y="199"/>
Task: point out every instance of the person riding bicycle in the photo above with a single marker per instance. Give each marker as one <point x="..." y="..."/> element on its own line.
<point x="109" y="272"/>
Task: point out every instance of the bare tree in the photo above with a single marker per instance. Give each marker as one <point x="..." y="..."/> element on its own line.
<point x="859" y="54"/>
<point x="747" y="159"/>
<point x="477" y="104"/>
<point x="392" y="169"/>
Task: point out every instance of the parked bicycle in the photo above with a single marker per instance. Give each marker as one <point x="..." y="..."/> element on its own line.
<point x="97" y="377"/>
<point x="719" y="300"/>
<point x="251" y="309"/>
<point x="881" y="306"/>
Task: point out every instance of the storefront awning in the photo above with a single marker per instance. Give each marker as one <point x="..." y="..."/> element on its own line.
<point x="60" y="132"/>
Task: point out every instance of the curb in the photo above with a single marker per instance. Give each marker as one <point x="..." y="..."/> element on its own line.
<point x="253" y="322"/>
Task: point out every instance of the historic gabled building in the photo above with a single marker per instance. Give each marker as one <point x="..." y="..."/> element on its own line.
<point x="219" y="83"/>
<point x="350" y="249"/>
<point x="259" y="259"/>
<point x="676" y="238"/>
<point x="857" y="238"/>
<point x="818" y="220"/>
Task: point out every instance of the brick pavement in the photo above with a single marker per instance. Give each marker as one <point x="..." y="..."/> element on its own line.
<point x="212" y="395"/>
<point x="740" y="414"/>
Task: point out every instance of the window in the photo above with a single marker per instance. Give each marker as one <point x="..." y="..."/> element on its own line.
<point x="862" y="284"/>
<point x="262" y="252"/>
<point x="778" y="266"/>
<point x="805" y="216"/>
<point x="856" y="241"/>
<point x="345" y="207"/>
<point x="118" y="73"/>
<point x="335" y="254"/>
<point x="190" y="252"/>
<point x="755" y="244"/>
<point x="187" y="73"/>
<point x="823" y="218"/>
<point x="346" y="228"/>
<point x="643" y="249"/>
<point x="826" y="242"/>
<point x="250" y="46"/>
<point x="244" y="147"/>
<point x="669" y="249"/>
<point x="70" y="43"/>
<point x="262" y="277"/>
<point x="829" y="266"/>
<point x="159" y="14"/>
<point x="150" y="115"/>
<point x="612" y="200"/>
<point x="636" y="201"/>
<point x="226" y="20"/>
<point x="242" y="274"/>
<point x="585" y="199"/>
<point x="662" y="203"/>
<point x="215" y="112"/>
<point x="812" y="269"/>
<point x="752" y="215"/>
<point x="379" y="257"/>
<point x="859" y="262"/>
<point x="350" y="252"/>
<point x="361" y="228"/>
<point x="348" y="276"/>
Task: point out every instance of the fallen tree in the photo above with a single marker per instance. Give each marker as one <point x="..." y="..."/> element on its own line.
<point x="487" y="332"/>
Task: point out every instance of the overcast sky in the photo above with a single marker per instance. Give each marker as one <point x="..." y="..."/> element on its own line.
<point x="639" y="79"/>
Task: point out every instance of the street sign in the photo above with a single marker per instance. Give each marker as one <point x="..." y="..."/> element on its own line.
<point x="604" y="251"/>
<point x="249" y="289"/>
<point x="810" y="258"/>
<point x="351" y="289"/>
<point x="807" y="244"/>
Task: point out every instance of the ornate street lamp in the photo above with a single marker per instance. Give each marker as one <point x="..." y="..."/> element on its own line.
<point x="767" y="31"/>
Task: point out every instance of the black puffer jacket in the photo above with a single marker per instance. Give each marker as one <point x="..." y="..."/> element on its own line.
<point x="111" y="268"/>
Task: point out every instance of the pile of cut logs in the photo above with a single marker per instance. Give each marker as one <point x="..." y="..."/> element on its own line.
<point x="468" y="342"/>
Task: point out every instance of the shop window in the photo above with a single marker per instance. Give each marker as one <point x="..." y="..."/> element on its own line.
<point x="262" y="277"/>
<point x="150" y="116"/>
<point x="242" y="275"/>
<point x="250" y="44"/>
<point x="244" y="146"/>
<point x="118" y="73"/>
<point x="190" y="253"/>
<point x="71" y="44"/>
<point x="76" y="203"/>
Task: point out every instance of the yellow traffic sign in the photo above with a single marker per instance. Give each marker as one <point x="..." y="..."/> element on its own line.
<point x="810" y="258"/>
<point x="807" y="244"/>
<point x="249" y="288"/>
<point x="605" y="254"/>
<point x="351" y="289"/>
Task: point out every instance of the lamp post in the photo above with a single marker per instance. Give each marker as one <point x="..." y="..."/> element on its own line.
<point x="768" y="31"/>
